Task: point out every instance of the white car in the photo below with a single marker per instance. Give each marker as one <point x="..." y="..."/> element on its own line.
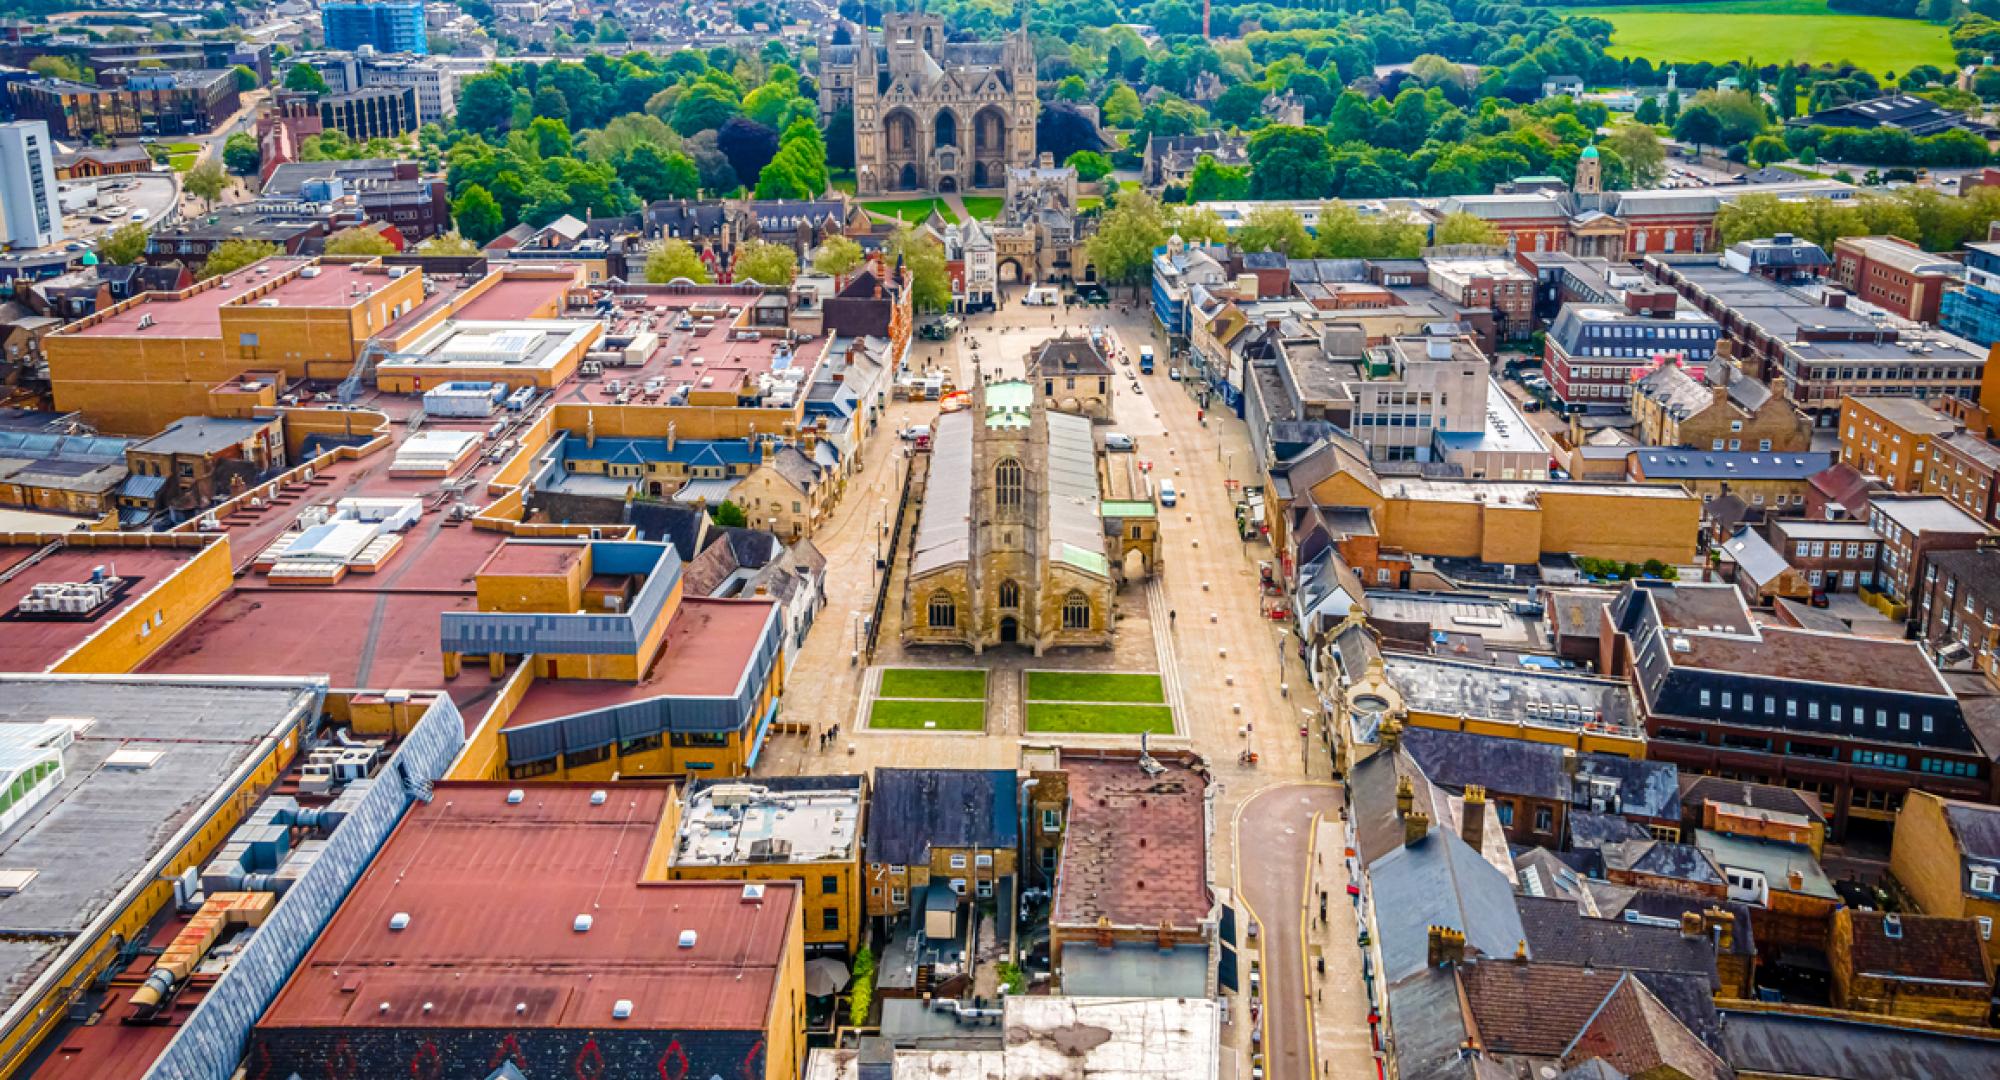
<point x="1117" y="440"/>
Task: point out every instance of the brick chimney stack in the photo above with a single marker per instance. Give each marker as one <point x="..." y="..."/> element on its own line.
<point x="1406" y="795"/>
<point x="1473" y="824"/>
<point x="1447" y="947"/>
<point x="1416" y="826"/>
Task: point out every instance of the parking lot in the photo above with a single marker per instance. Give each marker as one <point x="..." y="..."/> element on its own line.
<point x="119" y="199"/>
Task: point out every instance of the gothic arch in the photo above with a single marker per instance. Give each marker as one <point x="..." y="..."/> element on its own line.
<point x="1077" y="614"/>
<point x="989" y="133"/>
<point x="899" y="134"/>
<point x="1009" y="485"/>
<point x="941" y="611"/>
<point x="944" y="128"/>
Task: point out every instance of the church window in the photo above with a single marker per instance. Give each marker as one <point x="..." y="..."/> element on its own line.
<point x="943" y="611"/>
<point x="1076" y="612"/>
<point x="1010" y="595"/>
<point x="1007" y="485"/>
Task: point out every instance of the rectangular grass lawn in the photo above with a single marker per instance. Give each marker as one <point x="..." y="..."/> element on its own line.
<point x="942" y="715"/>
<point x="1100" y="719"/>
<point x="1781" y="30"/>
<point x="1095" y="686"/>
<point x="913" y="211"/>
<point x="983" y="207"/>
<point x="932" y="683"/>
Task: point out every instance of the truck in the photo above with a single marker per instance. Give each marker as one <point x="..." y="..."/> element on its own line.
<point x="1145" y="359"/>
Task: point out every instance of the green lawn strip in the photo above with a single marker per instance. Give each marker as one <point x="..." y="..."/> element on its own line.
<point x="983" y="207"/>
<point x="933" y="683"/>
<point x="1095" y="686"/>
<point x="1094" y="719"/>
<point x="1794" y="30"/>
<point x="940" y="715"/>
<point x="913" y="211"/>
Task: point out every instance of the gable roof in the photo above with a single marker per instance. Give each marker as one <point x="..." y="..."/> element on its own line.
<point x="912" y="811"/>
<point x="1635" y="1032"/>
<point x="1931" y="949"/>
<point x="1557" y="932"/>
<point x="1440" y="881"/>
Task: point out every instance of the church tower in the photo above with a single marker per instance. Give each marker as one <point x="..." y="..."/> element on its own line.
<point x="1589" y="173"/>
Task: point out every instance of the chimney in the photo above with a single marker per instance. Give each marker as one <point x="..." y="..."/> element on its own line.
<point x="1390" y="736"/>
<point x="1406" y="795"/>
<point x="1835" y="296"/>
<point x="1569" y="762"/>
<point x="876" y="1059"/>
<point x="1723" y="923"/>
<point x="1794" y="880"/>
<point x="1472" y="825"/>
<point x="1447" y="947"/>
<point x="1416" y="826"/>
<point x="1691" y="924"/>
<point x="670" y="436"/>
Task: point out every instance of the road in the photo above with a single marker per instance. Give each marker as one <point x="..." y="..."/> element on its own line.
<point x="1275" y="824"/>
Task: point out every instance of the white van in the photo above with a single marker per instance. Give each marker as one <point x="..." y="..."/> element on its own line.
<point x="1168" y="495"/>
<point x="1117" y="440"/>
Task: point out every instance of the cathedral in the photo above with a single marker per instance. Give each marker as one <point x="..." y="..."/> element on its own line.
<point x="930" y="115"/>
<point x="1010" y="545"/>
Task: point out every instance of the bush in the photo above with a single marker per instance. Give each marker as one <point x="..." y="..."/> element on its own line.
<point x="861" y="988"/>
<point x="1011" y="977"/>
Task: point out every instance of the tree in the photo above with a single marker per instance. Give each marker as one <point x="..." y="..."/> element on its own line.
<point x="675" y="258"/>
<point x="1121" y="107"/>
<point x="653" y="173"/>
<point x="1787" y="92"/>
<point x="240" y="154"/>
<point x="477" y="215"/>
<point x="728" y="515"/>
<point x="486" y="104"/>
<point x="1937" y="11"/>
<point x="1672" y="113"/>
<point x="233" y="255"/>
<point x="58" y="67"/>
<point x="837" y="256"/>
<point x="206" y="182"/>
<point x="923" y="257"/>
<point x="1212" y="182"/>
<point x="1741" y="116"/>
<point x="1274" y="228"/>
<point x="702" y="107"/>
<point x="1345" y="234"/>
<point x="1765" y="149"/>
<point x="1290" y="163"/>
<point x="1645" y="159"/>
<point x="1072" y="88"/>
<point x="359" y="240"/>
<point x="551" y="104"/>
<point x="1238" y="105"/>
<point x="747" y="144"/>
<point x="1699" y="126"/>
<point x="123" y="245"/>
<point x="1090" y="165"/>
<point x="450" y="243"/>
<point x="246" y="79"/>
<point x="305" y="79"/>
<point x="1122" y="247"/>
<point x="1200" y="225"/>
<point x="766" y="263"/>
<point x="1648" y="112"/>
<point x="1460" y="227"/>
<point x="623" y="134"/>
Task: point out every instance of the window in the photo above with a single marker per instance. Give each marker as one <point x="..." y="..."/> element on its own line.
<point x="985" y="889"/>
<point x="943" y="613"/>
<point x="1763" y="444"/>
<point x="1545" y="819"/>
<point x="1051" y="820"/>
<point x="983" y="861"/>
<point x="528" y="770"/>
<point x="1506" y="809"/>
<point x="1076" y="612"/>
<point x="897" y="896"/>
<point x="1007" y="485"/>
<point x="1986" y="928"/>
<point x="1010" y="594"/>
<point x="958" y="862"/>
<point x="829" y="919"/>
<point x="1982" y="880"/>
<point x="830" y="885"/>
<point x="579" y="758"/>
<point x="1704" y="699"/>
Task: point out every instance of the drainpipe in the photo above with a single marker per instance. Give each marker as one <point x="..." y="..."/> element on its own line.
<point x="1020" y="875"/>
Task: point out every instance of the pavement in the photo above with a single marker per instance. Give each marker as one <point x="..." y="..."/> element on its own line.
<point x="1231" y="670"/>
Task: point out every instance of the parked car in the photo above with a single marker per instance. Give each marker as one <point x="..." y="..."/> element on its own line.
<point x="1117" y="440"/>
<point x="1169" y="496"/>
<point x="916" y="432"/>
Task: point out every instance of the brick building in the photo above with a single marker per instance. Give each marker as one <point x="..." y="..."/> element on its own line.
<point x="1891" y="438"/>
<point x="1946" y="856"/>
<point x="1915" y="967"/>
<point x="1835" y="556"/>
<point x="1895" y="275"/>
<point x="1593" y="352"/>
<point x="1912" y="528"/>
<point x="1715" y="406"/>
<point x="1958" y="602"/>
<point x="1965" y="469"/>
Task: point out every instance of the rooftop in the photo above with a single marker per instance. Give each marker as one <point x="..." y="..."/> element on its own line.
<point x="1926" y="513"/>
<point x="473" y="345"/>
<point x="515" y="297"/>
<point x="1078" y="1038"/>
<point x="710" y="648"/>
<point x="95" y="840"/>
<point x="1777" y="862"/>
<point x="1843" y="659"/>
<point x="491" y="895"/>
<point x="36" y="644"/>
<point x="197" y="315"/>
<point x="793" y="819"/>
<point x="912" y="811"/>
<point x="1516" y="695"/>
<point x="1901" y="254"/>
<point x="1722" y="464"/>
<point x="1908" y="414"/>
<point x="1135" y="847"/>
<point x="201" y="435"/>
<point x="324" y="285"/>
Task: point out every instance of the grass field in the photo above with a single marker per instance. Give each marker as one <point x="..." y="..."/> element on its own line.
<point x="1095" y="686"/>
<point x="1771" y="31"/>
<point x="913" y="211"/>
<point x="933" y="683"/>
<point x="939" y="715"/>
<point x="983" y="207"/>
<point x="1100" y="719"/>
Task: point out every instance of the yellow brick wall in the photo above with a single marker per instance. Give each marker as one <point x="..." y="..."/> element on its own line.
<point x="1924" y="860"/>
<point x="147" y="623"/>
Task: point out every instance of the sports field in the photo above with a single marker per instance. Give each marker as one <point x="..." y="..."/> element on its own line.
<point x="1771" y="31"/>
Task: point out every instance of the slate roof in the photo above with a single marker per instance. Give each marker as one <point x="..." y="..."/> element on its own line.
<point x="1851" y="1048"/>
<point x="1755" y="557"/>
<point x="1557" y="932"/>
<point x="201" y="435"/>
<point x="664" y="522"/>
<point x="1658" y="858"/>
<point x="1659" y="904"/>
<point x="1068" y="355"/>
<point x="1697" y="790"/>
<point x="1439" y="881"/>
<point x="1925" y="948"/>
<point x="912" y="811"/>
<point x="1976" y="827"/>
<point x="1515" y="767"/>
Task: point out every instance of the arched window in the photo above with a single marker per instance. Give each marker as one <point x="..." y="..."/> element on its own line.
<point x="1010" y="595"/>
<point x="1076" y="612"/>
<point x="943" y="614"/>
<point x="1007" y="482"/>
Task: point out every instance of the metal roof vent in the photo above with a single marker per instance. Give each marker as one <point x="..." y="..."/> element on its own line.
<point x="687" y="939"/>
<point x="515" y="796"/>
<point x="399" y="921"/>
<point x="581" y="924"/>
<point x="13" y="881"/>
<point x="621" y="1009"/>
<point x="597" y="797"/>
<point x="751" y="891"/>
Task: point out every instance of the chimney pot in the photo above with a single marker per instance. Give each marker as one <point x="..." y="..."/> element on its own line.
<point x="1472" y="825"/>
<point x="1416" y="826"/>
<point x="1691" y="924"/>
<point x="1406" y="795"/>
<point x="1447" y="947"/>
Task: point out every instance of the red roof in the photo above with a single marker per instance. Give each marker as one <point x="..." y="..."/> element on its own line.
<point x="493" y="892"/>
<point x="195" y="316"/>
<point x="1135" y="848"/>
<point x="332" y="287"/>
<point x="527" y="559"/>
<point x="27" y="645"/>
<point x="514" y="298"/>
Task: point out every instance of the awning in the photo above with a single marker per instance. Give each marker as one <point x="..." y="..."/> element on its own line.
<point x="137" y="486"/>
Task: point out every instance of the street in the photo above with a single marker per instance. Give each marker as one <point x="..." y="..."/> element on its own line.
<point x="1234" y="673"/>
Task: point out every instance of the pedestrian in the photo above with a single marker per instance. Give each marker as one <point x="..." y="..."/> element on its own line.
<point x="1171" y="616"/>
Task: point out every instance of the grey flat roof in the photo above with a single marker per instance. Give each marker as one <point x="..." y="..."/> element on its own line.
<point x="100" y="832"/>
<point x="796" y="820"/>
<point x="1509" y="694"/>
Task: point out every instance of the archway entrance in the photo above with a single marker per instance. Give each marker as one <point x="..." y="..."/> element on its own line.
<point x="1010" y="630"/>
<point x="948" y="183"/>
<point x="908" y="180"/>
<point x="656" y="489"/>
<point x="1010" y="271"/>
<point x="1134" y="564"/>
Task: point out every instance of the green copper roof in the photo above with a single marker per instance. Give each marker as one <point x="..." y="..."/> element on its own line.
<point x="1093" y="561"/>
<point x="1007" y="404"/>
<point x="1124" y="508"/>
<point x="1589" y="152"/>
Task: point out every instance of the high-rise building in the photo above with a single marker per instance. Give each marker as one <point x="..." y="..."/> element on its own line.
<point x="387" y="25"/>
<point x="29" y="216"/>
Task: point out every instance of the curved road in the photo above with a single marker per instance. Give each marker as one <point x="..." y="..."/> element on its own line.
<point x="1275" y="827"/>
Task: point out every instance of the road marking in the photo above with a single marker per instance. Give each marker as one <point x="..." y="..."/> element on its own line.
<point x="1305" y="948"/>
<point x="1236" y="867"/>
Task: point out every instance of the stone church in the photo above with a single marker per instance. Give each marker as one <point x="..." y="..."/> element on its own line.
<point x="930" y="115"/>
<point x="1010" y="545"/>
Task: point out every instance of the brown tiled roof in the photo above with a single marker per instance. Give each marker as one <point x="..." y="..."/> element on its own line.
<point x="1531" y="1008"/>
<point x="1698" y="790"/>
<point x="1635" y="1033"/>
<point x="1930" y="947"/>
<point x="1135" y="846"/>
